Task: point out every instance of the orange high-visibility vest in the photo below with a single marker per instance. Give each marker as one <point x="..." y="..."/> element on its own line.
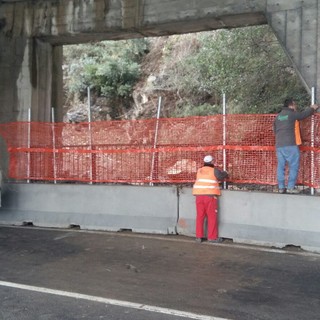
<point x="206" y="183"/>
<point x="297" y="133"/>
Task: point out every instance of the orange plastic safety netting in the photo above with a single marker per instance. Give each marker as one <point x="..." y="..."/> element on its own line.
<point x="155" y="151"/>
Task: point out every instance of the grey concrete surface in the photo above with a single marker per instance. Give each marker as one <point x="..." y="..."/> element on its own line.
<point x="17" y="304"/>
<point x="32" y="34"/>
<point x="95" y="207"/>
<point x="224" y="280"/>
<point x="269" y="219"/>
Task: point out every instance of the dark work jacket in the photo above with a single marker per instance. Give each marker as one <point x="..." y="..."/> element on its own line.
<point x="220" y="174"/>
<point x="284" y="125"/>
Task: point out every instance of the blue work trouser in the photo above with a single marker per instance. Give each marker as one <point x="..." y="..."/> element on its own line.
<point x="290" y="155"/>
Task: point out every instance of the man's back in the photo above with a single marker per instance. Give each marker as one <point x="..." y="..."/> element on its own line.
<point x="284" y="126"/>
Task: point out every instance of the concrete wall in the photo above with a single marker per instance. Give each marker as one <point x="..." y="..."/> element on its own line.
<point x="30" y="32"/>
<point x="269" y="219"/>
<point x="31" y="78"/>
<point x="0" y="185"/>
<point x="296" y="25"/>
<point x="246" y="217"/>
<point x="95" y="207"/>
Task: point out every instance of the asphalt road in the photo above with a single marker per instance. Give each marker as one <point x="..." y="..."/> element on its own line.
<point x="67" y="274"/>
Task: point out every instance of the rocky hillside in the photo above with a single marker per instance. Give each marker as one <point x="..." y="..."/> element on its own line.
<point x="144" y="97"/>
<point x="190" y="73"/>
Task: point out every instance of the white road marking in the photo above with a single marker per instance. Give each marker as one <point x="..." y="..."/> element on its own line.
<point x="66" y="235"/>
<point x="125" y="304"/>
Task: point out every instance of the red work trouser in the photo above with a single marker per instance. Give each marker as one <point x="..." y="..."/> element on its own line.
<point x="207" y="206"/>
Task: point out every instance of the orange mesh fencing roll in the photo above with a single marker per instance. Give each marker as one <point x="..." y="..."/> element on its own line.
<point x="132" y="151"/>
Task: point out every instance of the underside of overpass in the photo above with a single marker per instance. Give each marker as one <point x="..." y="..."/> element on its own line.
<point x="32" y="34"/>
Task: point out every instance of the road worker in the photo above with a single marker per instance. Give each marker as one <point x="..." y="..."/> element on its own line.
<point x="288" y="139"/>
<point x="207" y="190"/>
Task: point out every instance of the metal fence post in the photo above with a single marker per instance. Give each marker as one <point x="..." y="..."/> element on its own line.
<point x="29" y="145"/>
<point x="224" y="139"/>
<point x="53" y="147"/>
<point x="90" y="136"/>
<point x="155" y="141"/>
<point x="312" y="142"/>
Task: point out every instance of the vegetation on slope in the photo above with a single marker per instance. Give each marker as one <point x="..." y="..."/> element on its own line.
<point x="191" y="72"/>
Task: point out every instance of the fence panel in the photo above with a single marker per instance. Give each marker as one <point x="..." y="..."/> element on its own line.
<point x="126" y="151"/>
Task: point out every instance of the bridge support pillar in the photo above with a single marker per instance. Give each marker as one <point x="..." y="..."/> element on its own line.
<point x="31" y="77"/>
<point x="296" y="25"/>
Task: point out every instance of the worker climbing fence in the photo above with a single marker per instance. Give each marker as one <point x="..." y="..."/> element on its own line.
<point x="155" y="151"/>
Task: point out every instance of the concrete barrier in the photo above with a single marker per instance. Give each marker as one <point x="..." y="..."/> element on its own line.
<point x="95" y="207"/>
<point x="246" y="217"/>
<point x="260" y="218"/>
<point x="187" y="213"/>
<point x="0" y="185"/>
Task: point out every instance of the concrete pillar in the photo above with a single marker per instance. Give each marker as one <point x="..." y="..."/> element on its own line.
<point x="31" y="77"/>
<point x="57" y="83"/>
<point x="26" y="67"/>
<point x="12" y="55"/>
<point x="41" y="71"/>
<point x="296" y="25"/>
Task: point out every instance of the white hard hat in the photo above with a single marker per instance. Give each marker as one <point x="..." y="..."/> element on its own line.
<point x="208" y="159"/>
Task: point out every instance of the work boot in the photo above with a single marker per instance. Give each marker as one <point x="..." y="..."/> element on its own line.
<point x="282" y="190"/>
<point x="293" y="191"/>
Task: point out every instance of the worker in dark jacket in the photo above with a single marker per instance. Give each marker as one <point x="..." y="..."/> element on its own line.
<point x="207" y="190"/>
<point x="287" y="140"/>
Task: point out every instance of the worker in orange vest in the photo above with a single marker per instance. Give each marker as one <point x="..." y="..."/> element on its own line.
<point x="207" y="190"/>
